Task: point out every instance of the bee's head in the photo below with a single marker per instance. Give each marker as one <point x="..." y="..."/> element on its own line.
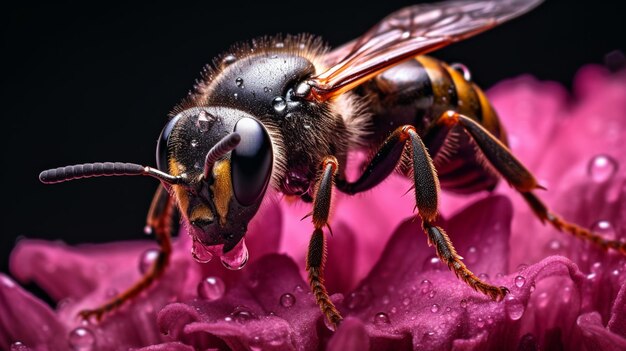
<point x="226" y="157"/>
<point x="217" y="163"/>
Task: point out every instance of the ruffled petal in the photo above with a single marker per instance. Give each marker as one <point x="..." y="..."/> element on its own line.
<point x="28" y="320"/>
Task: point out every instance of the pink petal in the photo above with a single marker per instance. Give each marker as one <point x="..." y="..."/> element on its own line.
<point x="596" y="336"/>
<point x="25" y="319"/>
<point x="350" y="336"/>
<point x="251" y="313"/>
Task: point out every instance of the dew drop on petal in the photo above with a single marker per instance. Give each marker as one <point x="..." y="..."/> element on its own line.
<point x="426" y="286"/>
<point x="431" y="294"/>
<point x="147" y="259"/>
<point x="520" y="281"/>
<point x="434" y="308"/>
<point x="514" y="308"/>
<point x="601" y="168"/>
<point x="211" y="288"/>
<point x="18" y="346"/>
<point x="480" y="322"/>
<point x="82" y="339"/>
<point x="463" y="303"/>
<point x="279" y="104"/>
<point x="242" y="314"/>
<point x="287" y="300"/>
<point x="386" y="299"/>
<point x="604" y="229"/>
<point x="354" y="300"/>
<point x="406" y="301"/>
<point x="236" y="258"/>
<point x="381" y="318"/>
<point x="522" y="267"/>
<point x="484" y="277"/>
<point x="200" y="252"/>
<point x="471" y="256"/>
<point x="596" y="267"/>
<point x="554" y="245"/>
<point x="433" y="264"/>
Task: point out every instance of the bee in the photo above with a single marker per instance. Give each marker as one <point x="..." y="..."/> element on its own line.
<point x="283" y="114"/>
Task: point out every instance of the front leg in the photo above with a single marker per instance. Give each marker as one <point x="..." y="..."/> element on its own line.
<point x="159" y="221"/>
<point x="316" y="257"/>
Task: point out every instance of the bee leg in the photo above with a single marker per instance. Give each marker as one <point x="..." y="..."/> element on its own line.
<point x="426" y="198"/>
<point x="160" y="222"/>
<point x="316" y="257"/>
<point x="513" y="171"/>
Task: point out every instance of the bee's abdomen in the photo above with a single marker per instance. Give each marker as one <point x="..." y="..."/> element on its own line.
<point x="417" y="92"/>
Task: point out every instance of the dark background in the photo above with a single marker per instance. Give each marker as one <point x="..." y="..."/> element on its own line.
<point x="84" y="83"/>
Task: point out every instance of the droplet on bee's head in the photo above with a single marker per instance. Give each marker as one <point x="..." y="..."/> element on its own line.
<point x="279" y="104"/>
<point x="228" y="59"/>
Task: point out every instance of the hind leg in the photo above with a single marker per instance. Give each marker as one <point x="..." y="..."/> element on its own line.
<point x="513" y="171"/>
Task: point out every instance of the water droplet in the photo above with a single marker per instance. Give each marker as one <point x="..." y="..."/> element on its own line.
<point x="236" y="258"/>
<point x="532" y="287"/>
<point x="204" y="121"/>
<point x="406" y="301"/>
<point x="386" y="299"/>
<point x="514" y="308"/>
<point x="406" y="34"/>
<point x="201" y="253"/>
<point x="520" y="281"/>
<point x="381" y="318"/>
<point x="434" y="308"/>
<point x="211" y="288"/>
<point x="426" y="286"/>
<point x="242" y="314"/>
<point x="604" y="229"/>
<point x="433" y="264"/>
<point x="596" y="267"/>
<point x="394" y="309"/>
<point x="601" y="168"/>
<point x="480" y="322"/>
<point x="229" y="59"/>
<point x="194" y="142"/>
<point x="279" y="104"/>
<point x="239" y="82"/>
<point x="147" y="230"/>
<point x="554" y="245"/>
<point x="236" y="96"/>
<point x="267" y="90"/>
<point x="463" y="303"/>
<point x="82" y="339"/>
<point x="287" y="300"/>
<point x="484" y="277"/>
<point x="18" y="346"/>
<point x="489" y="319"/>
<point x="280" y="45"/>
<point x="471" y="256"/>
<point x="431" y="294"/>
<point x="147" y="259"/>
<point x="307" y="126"/>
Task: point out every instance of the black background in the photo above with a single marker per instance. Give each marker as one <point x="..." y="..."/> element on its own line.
<point x="84" y="83"/>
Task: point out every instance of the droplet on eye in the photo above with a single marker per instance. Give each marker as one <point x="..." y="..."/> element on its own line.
<point x="82" y="339"/>
<point x="601" y="168"/>
<point x="279" y="104"/>
<point x="237" y="258"/>
<point x="211" y="288"/>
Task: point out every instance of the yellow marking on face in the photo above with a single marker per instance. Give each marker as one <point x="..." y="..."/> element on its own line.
<point x="201" y="212"/>
<point x="222" y="189"/>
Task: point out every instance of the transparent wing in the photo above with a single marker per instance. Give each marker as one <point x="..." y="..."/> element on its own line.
<point x="409" y="32"/>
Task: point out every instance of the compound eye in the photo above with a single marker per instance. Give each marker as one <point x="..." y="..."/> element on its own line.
<point x="251" y="161"/>
<point x="161" y="150"/>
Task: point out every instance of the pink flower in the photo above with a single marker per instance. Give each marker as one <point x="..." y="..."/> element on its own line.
<point x="394" y="293"/>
